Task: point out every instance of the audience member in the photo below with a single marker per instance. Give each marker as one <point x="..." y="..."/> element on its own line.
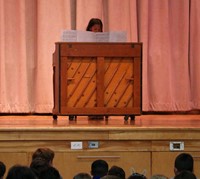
<point x="44" y="153"/>
<point x="38" y="165"/>
<point x="50" y="173"/>
<point x="158" y="176"/>
<point x="99" y="168"/>
<point x="20" y="172"/>
<point x="117" y="171"/>
<point x="185" y="174"/>
<point x="2" y="169"/>
<point x="110" y="177"/>
<point x="183" y="161"/>
<point x="82" y="176"/>
<point x="137" y="176"/>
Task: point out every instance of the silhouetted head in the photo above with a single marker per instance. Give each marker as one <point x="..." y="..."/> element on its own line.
<point x="183" y="161"/>
<point x="95" y="25"/>
<point x="99" y="168"/>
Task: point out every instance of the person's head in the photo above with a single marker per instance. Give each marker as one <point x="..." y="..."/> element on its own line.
<point x="110" y="177"/>
<point x="95" y="25"/>
<point x="82" y="176"/>
<point x="2" y="169"/>
<point x="185" y="174"/>
<point x="38" y="165"/>
<point x="158" y="176"/>
<point x="117" y="171"/>
<point x="20" y="172"/>
<point x="44" y="153"/>
<point x="183" y="161"/>
<point x="137" y="176"/>
<point x="50" y="172"/>
<point x="99" y="168"/>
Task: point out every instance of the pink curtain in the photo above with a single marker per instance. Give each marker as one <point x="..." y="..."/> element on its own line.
<point x="169" y="30"/>
<point x="165" y="33"/>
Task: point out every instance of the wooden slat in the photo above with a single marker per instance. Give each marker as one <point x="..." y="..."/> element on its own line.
<point x="100" y="82"/>
<point x="95" y="49"/>
<point x="101" y="111"/>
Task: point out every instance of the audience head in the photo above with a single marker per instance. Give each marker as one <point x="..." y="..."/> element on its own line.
<point x="110" y="177"/>
<point x="20" y="172"/>
<point x="185" y="174"/>
<point x="117" y="171"/>
<point x="159" y="177"/>
<point x="50" y="173"/>
<point x="183" y="161"/>
<point x="95" y="25"/>
<point x="137" y="176"/>
<point x="99" y="168"/>
<point x="44" y="153"/>
<point x="38" y="165"/>
<point x="82" y="176"/>
<point x="2" y="169"/>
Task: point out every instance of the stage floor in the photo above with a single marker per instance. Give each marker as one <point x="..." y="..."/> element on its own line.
<point x="148" y="137"/>
<point x="143" y="121"/>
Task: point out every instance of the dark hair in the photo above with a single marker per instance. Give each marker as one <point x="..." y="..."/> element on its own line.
<point x="159" y="176"/>
<point x="99" y="168"/>
<point x="117" y="171"/>
<point x="184" y="161"/>
<point x="82" y="176"/>
<point x="50" y="172"/>
<point x="44" y="153"/>
<point x="38" y="165"/>
<point x="94" y="21"/>
<point x="137" y="176"/>
<point x="2" y="169"/>
<point x="110" y="177"/>
<point x="185" y="174"/>
<point x="20" y="172"/>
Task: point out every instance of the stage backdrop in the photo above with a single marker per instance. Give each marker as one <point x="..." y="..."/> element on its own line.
<point x="169" y="30"/>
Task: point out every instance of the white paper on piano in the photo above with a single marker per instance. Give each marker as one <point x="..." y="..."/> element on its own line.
<point x="88" y="36"/>
<point x="69" y="36"/>
<point x="117" y="36"/>
<point x="101" y="36"/>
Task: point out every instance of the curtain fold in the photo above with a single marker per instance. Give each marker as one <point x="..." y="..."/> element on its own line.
<point x="167" y="56"/>
<point x="194" y="53"/>
<point x="17" y="56"/>
<point x="168" y="29"/>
